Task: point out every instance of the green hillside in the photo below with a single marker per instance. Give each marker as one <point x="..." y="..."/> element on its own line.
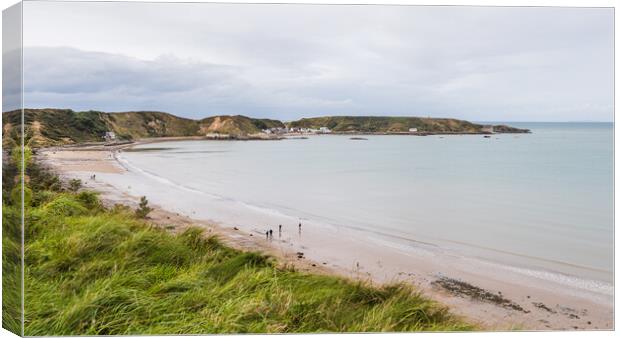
<point x="139" y="124"/>
<point x="46" y="127"/>
<point x="393" y="124"/>
<point x="56" y="126"/>
<point x="236" y="125"/>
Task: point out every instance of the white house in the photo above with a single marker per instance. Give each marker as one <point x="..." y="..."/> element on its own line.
<point x="324" y="130"/>
<point x="413" y="130"/>
<point x="109" y="136"/>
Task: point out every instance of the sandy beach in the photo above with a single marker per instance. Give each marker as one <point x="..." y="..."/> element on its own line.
<point x="491" y="295"/>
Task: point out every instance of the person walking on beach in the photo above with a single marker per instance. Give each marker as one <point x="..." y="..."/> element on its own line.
<point x="267" y="234"/>
<point x="271" y="233"/>
<point x="280" y="230"/>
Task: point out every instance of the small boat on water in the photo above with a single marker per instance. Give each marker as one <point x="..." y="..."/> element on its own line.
<point x="358" y="138"/>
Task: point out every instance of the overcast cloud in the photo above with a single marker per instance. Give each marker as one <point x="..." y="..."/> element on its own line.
<point x="289" y="61"/>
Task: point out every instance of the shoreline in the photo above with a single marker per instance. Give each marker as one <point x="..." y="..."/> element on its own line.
<point x="493" y="303"/>
<point x="122" y="144"/>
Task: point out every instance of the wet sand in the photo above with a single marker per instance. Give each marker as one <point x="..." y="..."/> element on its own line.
<point x="490" y="295"/>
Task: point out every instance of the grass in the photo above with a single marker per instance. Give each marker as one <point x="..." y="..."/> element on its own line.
<point x="11" y="269"/>
<point x="373" y="124"/>
<point x="98" y="272"/>
<point x="91" y="270"/>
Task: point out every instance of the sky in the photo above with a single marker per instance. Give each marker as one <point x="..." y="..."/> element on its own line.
<point x="292" y="61"/>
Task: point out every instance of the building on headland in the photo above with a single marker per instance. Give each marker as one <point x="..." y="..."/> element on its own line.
<point x="487" y="129"/>
<point x="217" y="136"/>
<point x="277" y="131"/>
<point x="321" y="130"/>
<point x="413" y="130"/>
<point x="109" y="136"/>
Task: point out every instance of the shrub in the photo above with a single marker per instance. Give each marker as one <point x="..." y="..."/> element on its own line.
<point x="75" y="184"/>
<point x="16" y="195"/>
<point x="143" y="208"/>
<point x="89" y="199"/>
<point x="42" y="197"/>
<point x="65" y="205"/>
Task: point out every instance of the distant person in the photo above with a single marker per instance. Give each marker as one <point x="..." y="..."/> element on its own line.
<point x="271" y="233"/>
<point x="280" y="229"/>
<point x="267" y="234"/>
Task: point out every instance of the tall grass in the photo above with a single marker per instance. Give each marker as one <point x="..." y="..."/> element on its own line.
<point x="11" y="268"/>
<point x="12" y="232"/>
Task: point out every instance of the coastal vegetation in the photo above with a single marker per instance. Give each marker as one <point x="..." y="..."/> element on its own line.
<point x="143" y="208"/>
<point x="48" y="127"/>
<point x="236" y="125"/>
<point x="75" y="184"/>
<point x="11" y="239"/>
<point x="94" y="270"/>
<point x="397" y="124"/>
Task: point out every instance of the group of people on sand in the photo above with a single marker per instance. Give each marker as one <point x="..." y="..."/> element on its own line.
<point x="93" y="176"/>
<point x="269" y="233"/>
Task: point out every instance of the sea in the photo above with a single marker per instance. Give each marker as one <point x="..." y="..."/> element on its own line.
<point x="536" y="202"/>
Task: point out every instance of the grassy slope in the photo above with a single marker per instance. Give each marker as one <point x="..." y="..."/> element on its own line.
<point x="236" y="125"/>
<point x="11" y="248"/>
<point x="45" y="127"/>
<point x="149" y="124"/>
<point x="91" y="270"/>
<point x="108" y="273"/>
<point x="11" y="270"/>
<point x="56" y="126"/>
<point x="387" y="124"/>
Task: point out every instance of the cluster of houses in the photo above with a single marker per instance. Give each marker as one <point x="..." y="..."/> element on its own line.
<point x="285" y="130"/>
<point x="321" y="130"/>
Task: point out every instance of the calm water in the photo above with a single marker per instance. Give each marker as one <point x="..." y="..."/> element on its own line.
<point x="542" y="200"/>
